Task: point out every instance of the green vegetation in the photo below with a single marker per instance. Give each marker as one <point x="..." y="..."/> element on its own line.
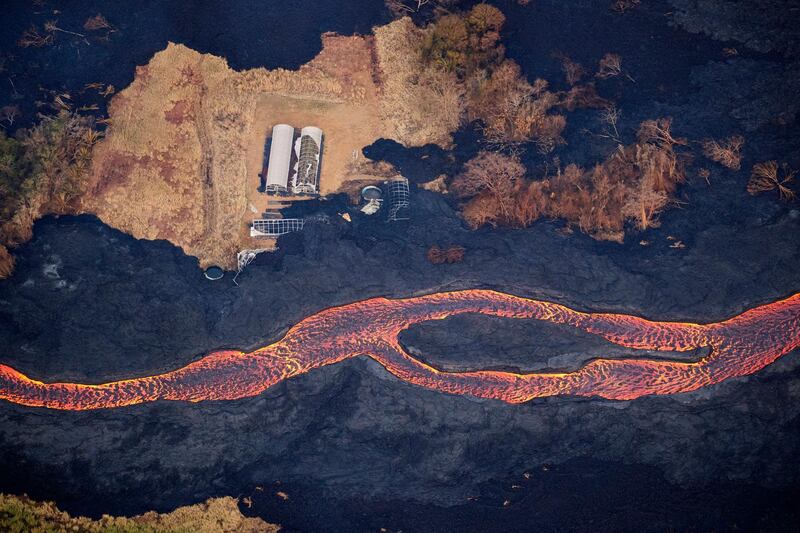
<point x="492" y="88"/>
<point x="466" y="44"/>
<point x="19" y="514"/>
<point x="43" y="169"/>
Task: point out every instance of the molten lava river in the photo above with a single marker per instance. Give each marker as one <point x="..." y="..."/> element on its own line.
<point x="738" y="346"/>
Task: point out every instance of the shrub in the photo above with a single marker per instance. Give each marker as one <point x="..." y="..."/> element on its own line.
<point x="727" y="152"/>
<point x="97" y="22"/>
<point x="768" y="177"/>
<point x="42" y="169"/>
<point x="621" y="6"/>
<point x="445" y="44"/>
<point x="451" y="254"/>
<point x="635" y="183"/>
<point x="9" y="114"/>
<point x="482" y="210"/>
<point x="6" y="262"/>
<point x="33" y="37"/>
<point x="492" y="172"/>
<point x="609" y="66"/>
<point x="573" y="72"/>
<point x="492" y="177"/>
<point x="583" y="97"/>
<point x="658" y="132"/>
<point x="435" y="76"/>
<point x="465" y="43"/>
<point x="483" y="27"/>
<point x="514" y="111"/>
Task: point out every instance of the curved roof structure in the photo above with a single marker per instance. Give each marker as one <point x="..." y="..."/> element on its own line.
<point x="309" y="148"/>
<point x="280" y="157"/>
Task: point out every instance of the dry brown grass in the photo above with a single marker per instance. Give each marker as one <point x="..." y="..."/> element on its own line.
<point x="420" y="104"/>
<point x="439" y="184"/>
<point x="187" y="140"/>
<point x="727" y="152"/>
<point x="171" y="166"/>
<point x="186" y="137"/>
<point x="769" y="176"/>
<point x="362" y="172"/>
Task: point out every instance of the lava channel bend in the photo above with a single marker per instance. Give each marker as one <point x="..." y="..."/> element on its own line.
<point x="738" y="346"/>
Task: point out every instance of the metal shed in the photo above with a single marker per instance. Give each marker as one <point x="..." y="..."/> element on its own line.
<point x="308" y="148"/>
<point x="280" y="158"/>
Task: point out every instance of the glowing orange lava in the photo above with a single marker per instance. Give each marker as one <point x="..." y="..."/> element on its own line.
<point x="738" y="346"/>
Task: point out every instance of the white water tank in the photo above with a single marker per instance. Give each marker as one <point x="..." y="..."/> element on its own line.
<point x="280" y="157"/>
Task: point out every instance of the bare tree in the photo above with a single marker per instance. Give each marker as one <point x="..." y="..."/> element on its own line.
<point x="451" y="254"/>
<point x="51" y="27"/>
<point x="621" y="6"/>
<point x="767" y="177"/>
<point x="727" y="152"/>
<point x="8" y="114"/>
<point x="572" y="70"/>
<point x="33" y="37"/>
<point x="403" y="7"/>
<point x="611" y="66"/>
<point x="610" y="116"/>
<point x="98" y="22"/>
<point x="493" y="173"/>
<point x="657" y="131"/>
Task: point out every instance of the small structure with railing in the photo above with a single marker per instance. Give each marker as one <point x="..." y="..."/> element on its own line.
<point x="275" y="227"/>
<point x="398" y="199"/>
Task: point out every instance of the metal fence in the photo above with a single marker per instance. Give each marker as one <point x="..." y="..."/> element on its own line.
<point x="274" y="227"/>
<point x="398" y="194"/>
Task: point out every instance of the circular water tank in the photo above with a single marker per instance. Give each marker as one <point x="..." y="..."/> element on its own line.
<point x="214" y="273"/>
<point x="371" y="192"/>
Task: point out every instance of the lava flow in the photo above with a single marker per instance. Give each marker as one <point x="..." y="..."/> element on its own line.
<point x="738" y="346"/>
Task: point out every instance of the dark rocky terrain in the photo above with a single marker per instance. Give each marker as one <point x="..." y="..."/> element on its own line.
<point x="355" y="448"/>
<point x="90" y="304"/>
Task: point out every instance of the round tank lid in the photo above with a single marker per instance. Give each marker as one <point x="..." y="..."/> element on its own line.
<point x="371" y="192"/>
<point x="214" y="273"/>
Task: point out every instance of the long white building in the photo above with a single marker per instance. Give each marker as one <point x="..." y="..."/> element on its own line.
<point x="280" y="158"/>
